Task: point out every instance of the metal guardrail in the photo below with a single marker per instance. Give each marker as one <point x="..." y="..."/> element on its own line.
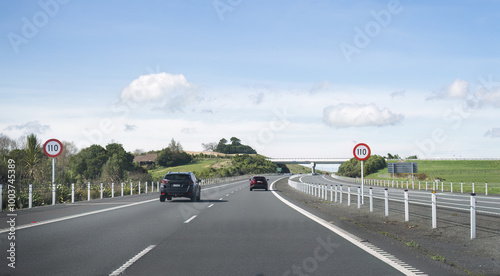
<point x="336" y="192"/>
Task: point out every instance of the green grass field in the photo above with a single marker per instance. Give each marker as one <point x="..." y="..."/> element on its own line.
<point x="466" y="171"/>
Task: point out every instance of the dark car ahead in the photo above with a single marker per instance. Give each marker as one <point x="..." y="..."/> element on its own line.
<point x="180" y="184"/>
<point x="259" y="182"/>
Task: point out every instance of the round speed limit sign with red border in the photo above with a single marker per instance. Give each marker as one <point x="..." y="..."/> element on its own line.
<point x="362" y="151"/>
<point x="53" y="148"/>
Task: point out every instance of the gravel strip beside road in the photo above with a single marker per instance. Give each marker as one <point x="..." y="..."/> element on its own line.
<point x="449" y="245"/>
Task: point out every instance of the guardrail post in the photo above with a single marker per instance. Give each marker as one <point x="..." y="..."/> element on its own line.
<point x="473" y="188"/>
<point x="53" y="193"/>
<point x="412" y="184"/>
<point x="72" y="192"/>
<point x="419" y="185"/>
<point x="407" y="212"/>
<point x="451" y="187"/>
<point x="486" y="188"/>
<point x="426" y="185"/>
<point x="442" y="186"/>
<point x="102" y="186"/>
<point x="434" y="213"/>
<point x="371" y="199"/>
<point x="336" y="193"/>
<point x="112" y="189"/>
<point x="88" y="191"/>
<point x="331" y="193"/>
<point x="122" y="188"/>
<point x="359" y="197"/>
<point x="139" y="187"/>
<point x="462" y="187"/>
<point x="152" y="186"/>
<point x="386" y="197"/>
<point x="30" y="190"/>
<point x="407" y="185"/>
<point x="473" y="216"/>
<point x="348" y="195"/>
<point x="146" y="187"/>
<point x="131" y="188"/>
<point x="340" y="194"/>
<point x="158" y="186"/>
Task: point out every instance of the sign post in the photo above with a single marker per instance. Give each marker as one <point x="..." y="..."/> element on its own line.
<point x="362" y="152"/>
<point x="53" y="148"/>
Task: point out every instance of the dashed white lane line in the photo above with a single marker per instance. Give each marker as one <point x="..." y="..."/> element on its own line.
<point x="209" y="206"/>
<point x="190" y="219"/>
<point x="132" y="261"/>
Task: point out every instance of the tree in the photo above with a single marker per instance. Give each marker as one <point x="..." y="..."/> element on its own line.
<point x="6" y="145"/>
<point x="209" y="147"/>
<point x="175" y="146"/>
<point x="89" y="162"/>
<point x="173" y="155"/>
<point x="235" y="141"/>
<point x="33" y="156"/>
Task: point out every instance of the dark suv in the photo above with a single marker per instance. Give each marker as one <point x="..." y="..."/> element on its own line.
<point x="180" y="184"/>
<point x="258" y="182"/>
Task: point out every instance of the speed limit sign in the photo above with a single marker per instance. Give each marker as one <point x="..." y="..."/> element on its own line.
<point x="53" y="148"/>
<point x="362" y="152"/>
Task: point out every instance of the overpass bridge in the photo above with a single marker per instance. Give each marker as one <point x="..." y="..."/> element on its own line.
<point x="311" y="161"/>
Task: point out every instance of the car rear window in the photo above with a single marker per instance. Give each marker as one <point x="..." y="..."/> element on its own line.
<point x="260" y="178"/>
<point x="177" y="177"/>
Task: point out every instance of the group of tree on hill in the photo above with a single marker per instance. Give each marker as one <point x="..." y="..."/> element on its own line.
<point x="352" y="168"/>
<point x="234" y="147"/>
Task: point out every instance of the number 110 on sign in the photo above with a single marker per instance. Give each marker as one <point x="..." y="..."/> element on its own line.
<point x="361" y="152"/>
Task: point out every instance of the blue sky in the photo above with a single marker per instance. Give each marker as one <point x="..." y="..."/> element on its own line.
<point x="290" y="78"/>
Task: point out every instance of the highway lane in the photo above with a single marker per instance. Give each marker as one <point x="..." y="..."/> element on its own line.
<point x="255" y="234"/>
<point x="98" y="243"/>
<point x="231" y="231"/>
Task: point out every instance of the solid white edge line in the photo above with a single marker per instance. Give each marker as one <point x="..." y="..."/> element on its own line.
<point x="39" y="223"/>
<point x="190" y="219"/>
<point x="346" y="235"/>
<point x="132" y="261"/>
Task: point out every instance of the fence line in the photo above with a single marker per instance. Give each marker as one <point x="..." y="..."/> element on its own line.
<point x="33" y="195"/>
<point x="486" y="204"/>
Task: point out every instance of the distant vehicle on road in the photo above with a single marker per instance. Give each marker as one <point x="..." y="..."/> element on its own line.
<point x="180" y="184"/>
<point x="258" y="182"/>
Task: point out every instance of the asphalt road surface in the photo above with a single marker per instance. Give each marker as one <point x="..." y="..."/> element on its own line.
<point x="231" y="231"/>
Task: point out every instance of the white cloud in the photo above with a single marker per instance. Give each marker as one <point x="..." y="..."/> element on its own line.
<point x="166" y="90"/>
<point x="493" y="133"/>
<point x="29" y="127"/>
<point x="457" y="90"/>
<point x="357" y="115"/>
<point x="488" y="96"/>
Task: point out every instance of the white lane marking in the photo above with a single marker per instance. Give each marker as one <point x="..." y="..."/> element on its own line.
<point x="38" y="223"/>
<point x="190" y="219"/>
<point x="227" y="195"/>
<point x="348" y="236"/>
<point x="221" y="198"/>
<point x="210" y="205"/>
<point x="132" y="261"/>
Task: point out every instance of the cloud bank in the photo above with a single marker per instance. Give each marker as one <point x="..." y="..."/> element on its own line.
<point x="359" y="115"/>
